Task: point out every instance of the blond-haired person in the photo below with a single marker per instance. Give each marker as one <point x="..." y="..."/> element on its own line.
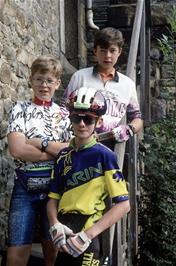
<point x="37" y="131"/>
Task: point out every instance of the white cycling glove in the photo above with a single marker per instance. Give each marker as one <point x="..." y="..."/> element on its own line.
<point x="77" y="244"/>
<point x="122" y="133"/>
<point x="58" y="234"/>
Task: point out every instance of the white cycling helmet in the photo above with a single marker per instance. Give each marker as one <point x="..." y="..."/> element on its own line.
<point x="88" y="100"/>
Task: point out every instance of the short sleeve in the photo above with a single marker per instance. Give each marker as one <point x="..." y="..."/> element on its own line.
<point x="16" y="119"/>
<point x="133" y="108"/>
<point x="114" y="180"/>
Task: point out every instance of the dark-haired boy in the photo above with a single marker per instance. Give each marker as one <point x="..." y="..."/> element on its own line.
<point x="118" y="89"/>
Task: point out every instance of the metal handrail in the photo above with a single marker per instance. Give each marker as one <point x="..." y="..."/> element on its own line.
<point x="120" y="149"/>
<point x="133" y="143"/>
<point x="131" y="71"/>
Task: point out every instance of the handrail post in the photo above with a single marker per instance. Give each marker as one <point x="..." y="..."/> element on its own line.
<point x="131" y="71"/>
<point x="120" y="150"/>
<point x="133" y="143"/>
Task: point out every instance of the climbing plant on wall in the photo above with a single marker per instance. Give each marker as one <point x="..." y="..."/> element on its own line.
<point x="157" y="212"/>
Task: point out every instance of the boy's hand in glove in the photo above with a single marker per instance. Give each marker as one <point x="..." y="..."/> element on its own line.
<point x="58" y="234"/>
<point x="122" y="133"/>
<point x="77" y="244"/>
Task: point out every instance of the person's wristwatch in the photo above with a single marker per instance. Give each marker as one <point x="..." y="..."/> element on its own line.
<point x="44" y="144"/>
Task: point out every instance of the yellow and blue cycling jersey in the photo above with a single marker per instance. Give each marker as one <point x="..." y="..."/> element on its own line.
<point x="82" y="179"/>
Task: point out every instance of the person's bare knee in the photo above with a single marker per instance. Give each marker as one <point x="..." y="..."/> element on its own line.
<point x="18" y="256"/>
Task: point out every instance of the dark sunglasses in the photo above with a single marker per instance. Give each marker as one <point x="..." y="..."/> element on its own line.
<point x="87" y="119"/>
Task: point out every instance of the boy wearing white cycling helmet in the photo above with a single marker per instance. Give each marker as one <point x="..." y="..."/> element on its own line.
<point x="84" y="175"/>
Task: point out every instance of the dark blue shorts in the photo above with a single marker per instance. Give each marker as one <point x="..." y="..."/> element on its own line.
<point x="25" y="210"/>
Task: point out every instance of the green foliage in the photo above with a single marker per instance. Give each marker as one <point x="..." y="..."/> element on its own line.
<point x="157" y="216"/>
<point x="167" y="45"/>
<point x="157" y="211"/>
<point x="172" y="21"/>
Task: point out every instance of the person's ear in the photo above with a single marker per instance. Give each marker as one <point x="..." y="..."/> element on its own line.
<point x="99" y="122"/>
<point x="120" y="51"/>
<point x="58" y="82"/>
<point x="94" y="51"/>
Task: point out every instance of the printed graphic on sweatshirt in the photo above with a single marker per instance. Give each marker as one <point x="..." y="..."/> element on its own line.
<point x="39" y="122"/>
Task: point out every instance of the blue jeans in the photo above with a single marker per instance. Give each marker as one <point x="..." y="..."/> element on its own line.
<point x="24" y="210"/>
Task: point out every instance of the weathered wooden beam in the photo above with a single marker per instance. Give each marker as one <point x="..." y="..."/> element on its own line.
<point x="131" y="64"/>
<point x="120" y="149"/>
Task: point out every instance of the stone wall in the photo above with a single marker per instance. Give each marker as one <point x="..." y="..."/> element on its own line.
<point x="27" y="29"/>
